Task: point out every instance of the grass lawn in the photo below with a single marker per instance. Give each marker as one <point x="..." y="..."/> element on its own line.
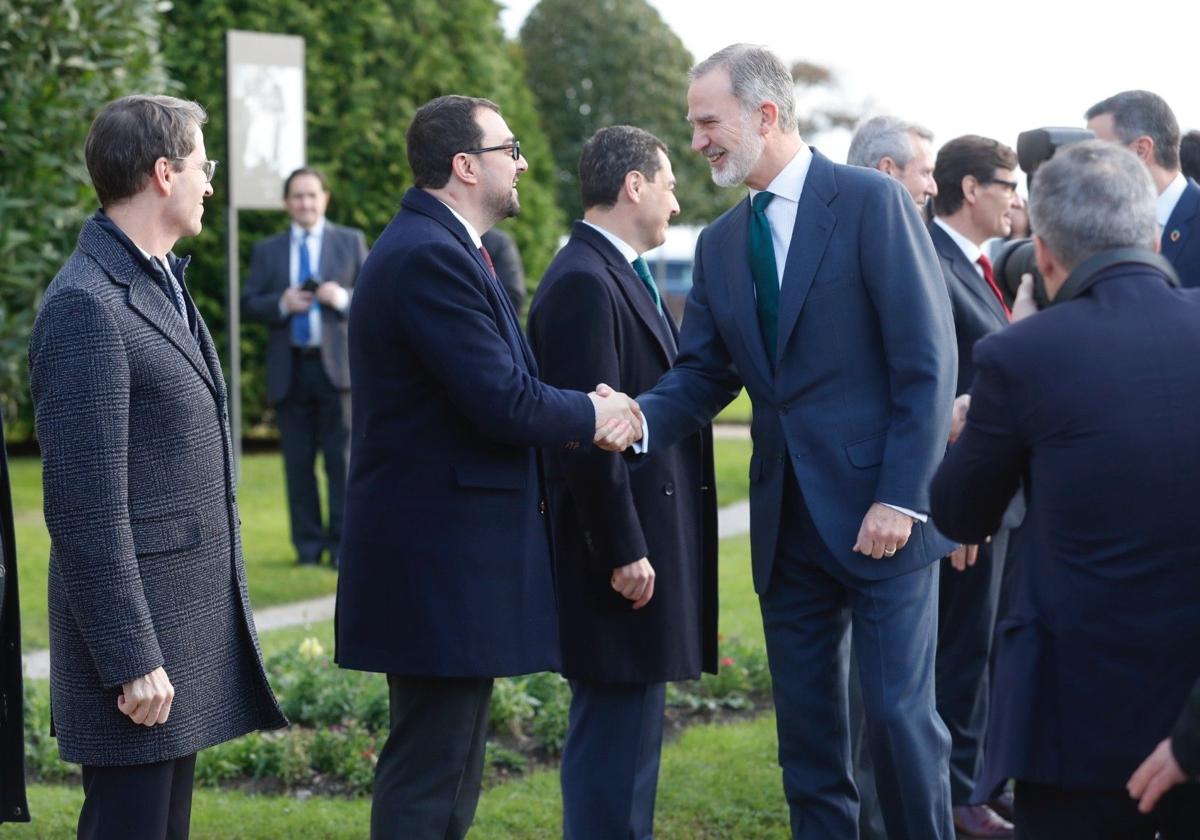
<point x="737" y="411"/>
<point x="273" y="576"/>
<point x="717" y="781"/>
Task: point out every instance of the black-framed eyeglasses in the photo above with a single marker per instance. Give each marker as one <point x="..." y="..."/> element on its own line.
<point x="208" y="167"/>
<point x="1009" y="186"/>
<point x="514" y="148"/>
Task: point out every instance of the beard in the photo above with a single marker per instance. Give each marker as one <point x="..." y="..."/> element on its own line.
<point x="739" y="161"/>
<point x="503" y="203"/>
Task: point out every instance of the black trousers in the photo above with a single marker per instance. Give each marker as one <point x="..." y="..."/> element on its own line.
<point x="1044" y="812"/>
<point x="146" y="801"/>
<point x="429" y="774"/>
<point x="314" y="416"/>
<point x="610" y="760"/>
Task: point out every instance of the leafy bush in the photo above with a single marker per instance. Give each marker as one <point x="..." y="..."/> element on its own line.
<point x="60" y="62"/>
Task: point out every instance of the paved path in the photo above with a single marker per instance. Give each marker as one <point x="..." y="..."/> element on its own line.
<point x="732" y="520"/>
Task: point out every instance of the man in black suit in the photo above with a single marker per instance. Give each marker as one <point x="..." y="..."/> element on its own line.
<point x="1144" y="123"/>
<point x="300" y="285"/>
<point x="635" y="549"/>
<point x="446" y="578"/>
<point x="507" y="260"/>
<point x="1088" y="404"/>
<point x="977" y="192"/>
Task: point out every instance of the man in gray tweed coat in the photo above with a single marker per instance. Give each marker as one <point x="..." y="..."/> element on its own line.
<point x="153" y="652"/>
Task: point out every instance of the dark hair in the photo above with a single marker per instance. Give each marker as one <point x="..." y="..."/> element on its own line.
<point x="130" y="134"/>
<point x="1189" y="155"/>
<point x="304" y="170"/>
<point x="440" y="129"/>
<point x="611" y="154"/>
<point x="1138" y="113"/>
<point x="963" y="156"/>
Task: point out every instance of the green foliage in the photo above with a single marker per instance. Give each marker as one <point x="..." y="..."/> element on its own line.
<point x="369" y="66"/>
<point x="60" y="61"/>
<point x="614" y="62"/>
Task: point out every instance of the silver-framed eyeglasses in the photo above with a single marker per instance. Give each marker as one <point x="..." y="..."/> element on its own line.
<point x="208" y="167"/>
<point x="514" y="148"/>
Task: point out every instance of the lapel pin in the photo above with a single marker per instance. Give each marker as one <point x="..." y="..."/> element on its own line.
<point x="1175" y="235"/>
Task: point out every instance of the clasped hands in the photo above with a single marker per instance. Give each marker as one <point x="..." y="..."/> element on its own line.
<point x="147" y="700"/>
<point x="618" y="419"/>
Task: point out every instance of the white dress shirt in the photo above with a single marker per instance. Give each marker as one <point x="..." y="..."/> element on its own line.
<point x="1168" y="198"/>
<point x="970" y="250"/>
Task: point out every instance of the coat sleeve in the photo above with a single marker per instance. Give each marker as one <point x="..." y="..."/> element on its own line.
<point x="1185" y="737"/>
<point x="903" y="278"/>
<point x="574" y="332"/>
<point x="982" y="470"/>
<point x="79" y="376"/>
<point x="439" y="301"/>
<point x="703" y="380"/>
<point x="260" y="299"/>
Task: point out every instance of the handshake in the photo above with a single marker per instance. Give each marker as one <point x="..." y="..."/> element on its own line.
<point x="618" y="419"/>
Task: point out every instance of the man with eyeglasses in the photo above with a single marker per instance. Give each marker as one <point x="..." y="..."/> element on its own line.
<point x="300" y="285"/>
<point x="153" y="651"/>
<point x="446" y="579"/>
<point x="976" y="194"/>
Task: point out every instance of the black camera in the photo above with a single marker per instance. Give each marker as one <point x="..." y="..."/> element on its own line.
<point x="1015" y="259"/>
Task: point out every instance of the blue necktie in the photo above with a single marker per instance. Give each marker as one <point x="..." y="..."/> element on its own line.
<point x="643" y="271"/>
<point x="301" y="329"/>
<point x="765" y="273"/>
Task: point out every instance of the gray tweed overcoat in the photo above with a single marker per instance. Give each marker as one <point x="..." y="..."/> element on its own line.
<point x="146" y="563"/>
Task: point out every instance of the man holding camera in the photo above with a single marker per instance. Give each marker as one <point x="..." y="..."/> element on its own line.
<point x="300" y="286"/>
<point x="1143" y="123"/>
<point x="1087" y="402"/>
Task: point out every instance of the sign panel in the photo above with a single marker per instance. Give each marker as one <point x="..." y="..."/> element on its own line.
<point x="265" y="89"/>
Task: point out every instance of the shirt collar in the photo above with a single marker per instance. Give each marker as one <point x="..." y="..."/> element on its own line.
<point x="789" y="183"/>
<point x="317" y="230"/>
<point x="471" y="232"/>
<point x="972" y="251"/>
<point x="1169" y="198"/>
<point x="627" y="251"/>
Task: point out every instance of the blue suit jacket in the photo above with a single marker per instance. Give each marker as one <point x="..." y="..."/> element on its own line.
<point x="1089" y="404"/>
<point x="859" y="401"/>
<point x="1181" y="236"/>
<point x="445" y="561"/>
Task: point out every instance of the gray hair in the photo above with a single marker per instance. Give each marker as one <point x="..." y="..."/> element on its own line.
<point x="885" y="136"/>
<point x="1092" y="197"/>
<point x="1140" y="113"/>
<point x="757" y="76"/>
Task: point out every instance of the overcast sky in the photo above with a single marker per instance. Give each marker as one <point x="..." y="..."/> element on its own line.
<point x="961" y="67"/>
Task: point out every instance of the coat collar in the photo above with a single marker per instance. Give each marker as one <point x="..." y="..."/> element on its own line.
<point x="631" y="287"/>
<point x="1179" y="226"/>
<point x="964" y="273"/>
<point x="125" y="267"/>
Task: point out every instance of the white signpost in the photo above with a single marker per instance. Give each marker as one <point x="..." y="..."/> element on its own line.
<point x="266" y="141"/>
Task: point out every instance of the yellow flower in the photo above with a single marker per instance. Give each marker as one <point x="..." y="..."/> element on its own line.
<point x="311" y="648"/>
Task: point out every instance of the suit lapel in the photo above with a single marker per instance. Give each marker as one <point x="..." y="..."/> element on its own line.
<point x="145" y="297"/>
<point x="1175" y="234"/>
<point x="631" y="287"/>
<point x="964" y="273"/>
<point x="810" y="236"/>
<point x="734" y="248"/>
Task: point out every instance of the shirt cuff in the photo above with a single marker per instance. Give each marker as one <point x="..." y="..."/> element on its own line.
<point x="641" y="447"/>
<point x="920" y="517"/>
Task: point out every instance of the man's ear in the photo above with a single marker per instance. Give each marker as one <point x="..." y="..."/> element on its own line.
<point x="163" y="176"/>
<point x="970" y="185"/>
<point x="1143" y="147"/>
<point x="770" y="117"/>
<point x="465" y="167"/>
<point x="634" y="183"/>
<point x="888" y="166"/>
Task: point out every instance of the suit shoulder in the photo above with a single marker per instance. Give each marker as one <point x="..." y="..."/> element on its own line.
<point x="576" y="270"/>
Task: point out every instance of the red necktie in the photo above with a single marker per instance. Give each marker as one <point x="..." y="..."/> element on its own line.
<point x="986" y="265"/>
<point x="487" y="258"/>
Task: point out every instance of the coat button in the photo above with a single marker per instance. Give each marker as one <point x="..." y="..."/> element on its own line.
<point x="542" y="506"/>
<point x="669" y="489"/>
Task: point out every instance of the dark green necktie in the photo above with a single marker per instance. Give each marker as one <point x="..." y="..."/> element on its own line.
<point x="766" y="276"/>
<point x="643" y="271"/>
